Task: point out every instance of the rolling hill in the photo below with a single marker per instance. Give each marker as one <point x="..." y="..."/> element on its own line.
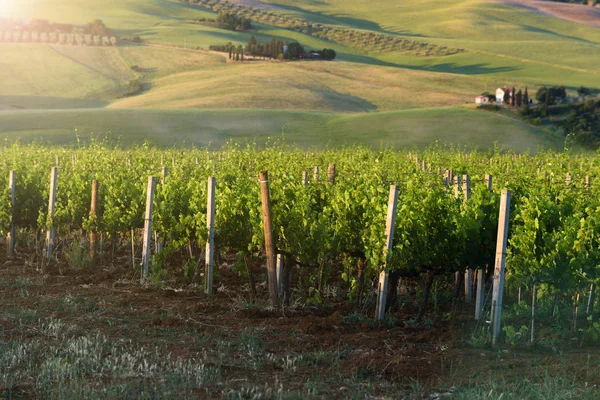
<point x="364" y="97"/>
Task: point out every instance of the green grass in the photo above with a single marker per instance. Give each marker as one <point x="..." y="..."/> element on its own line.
<point x="531" y="40"/>
<point x="508" y="44"/>
<point x="307" y="129"/>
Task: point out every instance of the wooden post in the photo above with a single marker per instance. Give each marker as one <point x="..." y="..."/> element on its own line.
<point x="568" y="178"/>
<point x="389" y="238"/>
<point x="489" y="182"/>
<point x="210" y="243"/>
<point x="74" y="159"/>
<point x="147" y="239"/>
<point x="331" y="174"/>
<point x="12" y="234"/>
<point x="57" y="161"/>
<point x="269" y="241"/>
<point x="173" y="162"/>
<point x="316" y="174"/>
<point x="466" y="187"/>
<point x="500" y="262"/>
<point x="304" y="178"/>
<point x="468" y="285"/>
<point x="51" y="233"/>
<point x="424" y="165"/>
<point x="280" y="271"/>
<point x="587" y="182"/>
<point x="576" y="310"/>
<point x="590" y="302"/>
<point x="480" y="297"/>
<point x="164" y="175"/>
<point x="132" y="249"/>
<point x="93" y="206"/>
<point x="457" y="186"/>
<point x="533" y="314"/>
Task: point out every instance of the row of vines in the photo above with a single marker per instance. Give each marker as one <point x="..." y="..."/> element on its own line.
<point x="333" y="230"/>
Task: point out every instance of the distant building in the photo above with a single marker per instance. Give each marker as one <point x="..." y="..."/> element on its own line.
<point x="482" y="100"/>
<point x="500" y="94"/>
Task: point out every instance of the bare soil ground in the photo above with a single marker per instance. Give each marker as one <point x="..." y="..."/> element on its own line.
<point x="327" y="349"/>
<point x="571" y="12"/>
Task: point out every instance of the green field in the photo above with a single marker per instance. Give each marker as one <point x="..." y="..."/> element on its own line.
<point x="411" y="128"/>
<point x="198" y="97"/>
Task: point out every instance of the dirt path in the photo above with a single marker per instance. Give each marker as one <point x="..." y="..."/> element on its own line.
<point x="571" y="12"/>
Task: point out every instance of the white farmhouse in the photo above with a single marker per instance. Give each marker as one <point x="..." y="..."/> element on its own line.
<point x="500" y="94"/>
<point x="482" y="100"/>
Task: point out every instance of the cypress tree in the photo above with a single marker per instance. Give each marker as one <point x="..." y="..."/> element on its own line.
<point x="526" y="97"/>
<point x="273" y="48"/>
<point x="519" y="98"/>
<point x="513" y="97"/>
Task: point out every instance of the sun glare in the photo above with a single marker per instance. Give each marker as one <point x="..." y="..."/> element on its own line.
<point x="8" y="7"/>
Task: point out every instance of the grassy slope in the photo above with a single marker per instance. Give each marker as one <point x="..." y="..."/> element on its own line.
<point x="539" y="48"/>
<point x="42" y="76"/>
<point x="507" y="44"/>
<point x="65" y="77"/>
<point x="202" y="127"/>
<point x="341" y="87"/>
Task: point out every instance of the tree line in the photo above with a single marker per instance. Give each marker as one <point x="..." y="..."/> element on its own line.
<point x="232" y="22"/>
<point x="95" y="33"/>
<point x="364" y="40"/>
<point x="274" y="49"/>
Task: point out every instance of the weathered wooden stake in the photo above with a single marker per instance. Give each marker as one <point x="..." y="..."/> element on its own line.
<point x="210" y="243"/>
<point x="590" y="302"/>
<point x="389" y="238"/>
<point x="280" y="271"/>
<point x="57" y="161"/>
<point x="568" y="178"/>
<point x="533" y="314"/>
<point x="587" y="183"/>
<point x="93" y="207"/>
<point x="132" y="248"/>
<point x="12" y="236"/>
<point x="468" y="285"/>
<point x="51" y="233"/>
<point x="480" y="296"/>
<point x="466" y="187"/>
<point x="500" y="262"/>
<point x="304" y="178"/>
<point x="457" y="186"/>
<point x="576" y="310"/>
<point x="269" y="241"/>
<point x="147" y="239"/>
<point x="316" y="174"/>
<point x="489" y="182"/>
<point x="331" y="174"/>
<point x="164" y="175"/>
